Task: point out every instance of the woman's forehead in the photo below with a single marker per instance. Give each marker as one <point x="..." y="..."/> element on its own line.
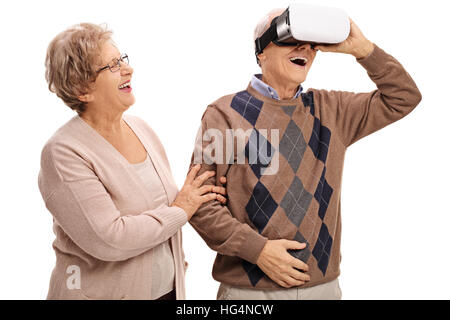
<point x="109" y="52"/>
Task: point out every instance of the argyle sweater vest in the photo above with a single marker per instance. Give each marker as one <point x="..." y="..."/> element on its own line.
<point x="299" y="198"/>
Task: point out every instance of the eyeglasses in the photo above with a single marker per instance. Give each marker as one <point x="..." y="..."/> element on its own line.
<point x="114" y="65"/>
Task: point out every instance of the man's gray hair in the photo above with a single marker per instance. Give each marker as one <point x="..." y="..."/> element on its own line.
<point x="264" y="23"/>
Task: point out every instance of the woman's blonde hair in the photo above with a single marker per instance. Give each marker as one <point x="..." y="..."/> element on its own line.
<point x="72" y="60"/>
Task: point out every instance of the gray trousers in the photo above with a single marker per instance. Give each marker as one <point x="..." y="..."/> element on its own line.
<point x="327" y="291"/>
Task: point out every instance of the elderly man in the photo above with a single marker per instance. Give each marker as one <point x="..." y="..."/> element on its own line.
<point x="279" y="235"/>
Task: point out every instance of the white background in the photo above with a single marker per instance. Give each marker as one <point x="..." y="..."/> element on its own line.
<point x="187" y="54"/>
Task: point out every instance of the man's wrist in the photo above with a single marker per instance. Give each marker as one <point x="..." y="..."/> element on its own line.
<point x="364" y="51"/>
<point x="261" y="253"/>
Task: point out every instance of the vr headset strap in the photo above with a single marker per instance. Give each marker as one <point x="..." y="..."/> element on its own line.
<point x="266" y="38"/>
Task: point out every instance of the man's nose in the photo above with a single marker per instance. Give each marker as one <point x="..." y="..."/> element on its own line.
<point x="306" y="46"/>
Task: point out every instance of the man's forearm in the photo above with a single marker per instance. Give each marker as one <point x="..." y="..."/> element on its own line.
<point x="225" y="234"/>
<point x="364" y="51"/>
<point x="221" y="231"/>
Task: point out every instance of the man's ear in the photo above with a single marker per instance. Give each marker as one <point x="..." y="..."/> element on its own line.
<point x="261" y="57"/>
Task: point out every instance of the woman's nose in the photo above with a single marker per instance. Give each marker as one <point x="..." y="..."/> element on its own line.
<point x="126" y="69"/>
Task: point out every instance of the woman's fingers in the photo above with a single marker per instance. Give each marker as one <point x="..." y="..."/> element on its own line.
<point x="217" y="191"/>
<point x="221" y="199"/>
<point x="208" y="197"/>
<point x="205" y="189"/>
<point x="192" y="173"/>
<point x="202" y="178"/>
<point x="220" y="190"/>
<point x="223" y="180"/>
<point x="210" y="188"/>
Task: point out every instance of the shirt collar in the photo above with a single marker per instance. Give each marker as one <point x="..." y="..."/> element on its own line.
<point x="267" y="90"/>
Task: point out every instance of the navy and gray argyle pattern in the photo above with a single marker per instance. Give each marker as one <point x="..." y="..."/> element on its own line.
<point x="296" y="201"/>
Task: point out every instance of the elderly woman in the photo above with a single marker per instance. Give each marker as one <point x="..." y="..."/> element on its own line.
<point x="106" y="180"/>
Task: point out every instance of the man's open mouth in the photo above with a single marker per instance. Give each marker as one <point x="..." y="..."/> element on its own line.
<point x="299" y="61"/>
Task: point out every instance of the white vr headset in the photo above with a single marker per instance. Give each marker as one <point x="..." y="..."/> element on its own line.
<point x="302" y="23"/>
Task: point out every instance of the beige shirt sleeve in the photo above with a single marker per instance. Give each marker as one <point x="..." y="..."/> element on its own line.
<point x="81" y="205"/>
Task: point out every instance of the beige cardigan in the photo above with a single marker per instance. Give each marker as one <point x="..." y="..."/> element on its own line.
<point x="104" y="218"/>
